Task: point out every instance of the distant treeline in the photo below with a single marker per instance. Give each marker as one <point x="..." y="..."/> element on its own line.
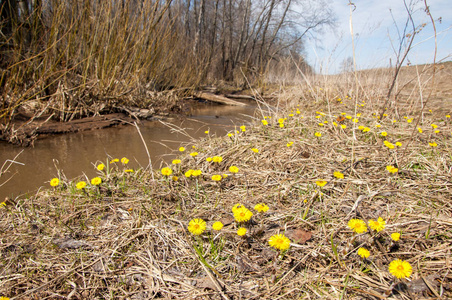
<point x="109" y="48"/>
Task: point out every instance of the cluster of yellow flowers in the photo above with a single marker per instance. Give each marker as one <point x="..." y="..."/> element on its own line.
<point x="80" y="185"/>
<point x="398" y="268"/>
<point x="242" y="215"/>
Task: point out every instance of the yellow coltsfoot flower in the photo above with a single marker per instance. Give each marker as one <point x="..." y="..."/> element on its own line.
<point x="197" y="226"/>
<point x="279" y="241"/>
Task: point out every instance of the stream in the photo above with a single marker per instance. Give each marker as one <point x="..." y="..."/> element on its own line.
<point x="76" y="154"/>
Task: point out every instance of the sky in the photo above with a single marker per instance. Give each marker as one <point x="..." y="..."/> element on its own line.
<point x="374" y="30"/>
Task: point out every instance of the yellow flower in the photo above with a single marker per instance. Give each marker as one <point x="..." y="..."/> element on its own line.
<point x="358" y="115"/>
<point x="54" y="182"/>
<point x="389" y="144"/>
<point x="281" y="125"/>
<point x="357" y="225"/>
<point x="321" y="183"/>
<point x="363" y="252"/>
<point x="384" y="133"/>
<point x="241" y="231"/>
<point x="419" y="129"/>
<point x="335" y="124"/>
<point x="395" y="236"/>
<point x="129" y="171"/>
<point x="392" y="169"/>
<point x="209" y="159"/>
<point x="3" y="204"/>
<point x="289" y="144"/>
<point x="398" y="144"/>
<point x="181" y="149"/>
<point x="225" y="175"/>
<point x="174" y="178"/>
<point x="434" y="126"/>
<point x="280" y="120"/>
<point x="377" y="125"/>
<point x="166" y="171"/>
<point x="378" y="225"/>
<point x="216" y="177"/>
<point x="355" y="120"/>
<point x="206" y="132"/>
<point x="124" y="160"/>
<point x="366" y="129"/>
<point x="338" y="175"/>
<point x="217" y="225"/>
<point x="242" y="214"/>
<point x="437" y="131"/>
<point x="321" y="124"/>
<point x="188" y="173"/>
<point x="255" y="150"/>
<point x="361" y="127"/>
<point x="318" y="134"/>
<point x="176" y="161"/>
<point x="348" y="117"/>
<point x="279" y="241"/>
<point x="261" y="207"/>
<point x="80" y="185"/>
<point x="194" y="154"/>
<point x="217" y="159"/>
<point x="264" y="122"/>
<point x="230" y="134"/>
<point x="433" y="144"/>
<point x="409" y="120"/>
<point x="243" y="128"/>
<point x="196" y="173"/>
<point x="96" y="181"/>
<point x="115" y="160"/>
<point x="343" y="126"/>
<point x="197" y="226"/>
<point x="448" y="116"/>
<point x="100" y="167"/>
<point x="400" y="268"/>
<point x="4" y="298"/>
<point x="233" y="169"/>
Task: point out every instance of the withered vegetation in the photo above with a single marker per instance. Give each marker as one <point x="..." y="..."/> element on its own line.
<point x="128" y="238"/>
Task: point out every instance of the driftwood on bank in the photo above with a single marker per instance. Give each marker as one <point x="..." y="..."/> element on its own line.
<point x="218" y="98"/>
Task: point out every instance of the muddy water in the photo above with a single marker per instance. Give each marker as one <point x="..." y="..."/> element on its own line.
<point x="75" y="154"/>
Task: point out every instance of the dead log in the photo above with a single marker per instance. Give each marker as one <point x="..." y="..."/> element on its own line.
<point x="218" y="99"/>
<point x="238" y="96"/>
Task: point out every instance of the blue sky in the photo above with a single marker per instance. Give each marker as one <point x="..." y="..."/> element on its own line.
<point x="374" y="29"/>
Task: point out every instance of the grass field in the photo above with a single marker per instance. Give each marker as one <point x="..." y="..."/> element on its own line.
<point x="318" y="158"/>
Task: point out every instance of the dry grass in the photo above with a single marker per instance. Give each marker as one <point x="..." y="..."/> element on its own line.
<point x="128" y="239"/>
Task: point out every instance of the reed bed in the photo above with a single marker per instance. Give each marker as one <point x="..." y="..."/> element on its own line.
<point x="125" y="235"/>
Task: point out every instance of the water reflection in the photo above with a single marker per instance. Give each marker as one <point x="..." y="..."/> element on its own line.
<point x="74" y="154"/>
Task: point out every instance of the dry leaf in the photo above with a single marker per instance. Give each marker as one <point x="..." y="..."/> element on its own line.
<point x="227" y="220"/>
<point x="206" y="283"/>
<point x="419" y="285"/>
<point x="300" y="236"/>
